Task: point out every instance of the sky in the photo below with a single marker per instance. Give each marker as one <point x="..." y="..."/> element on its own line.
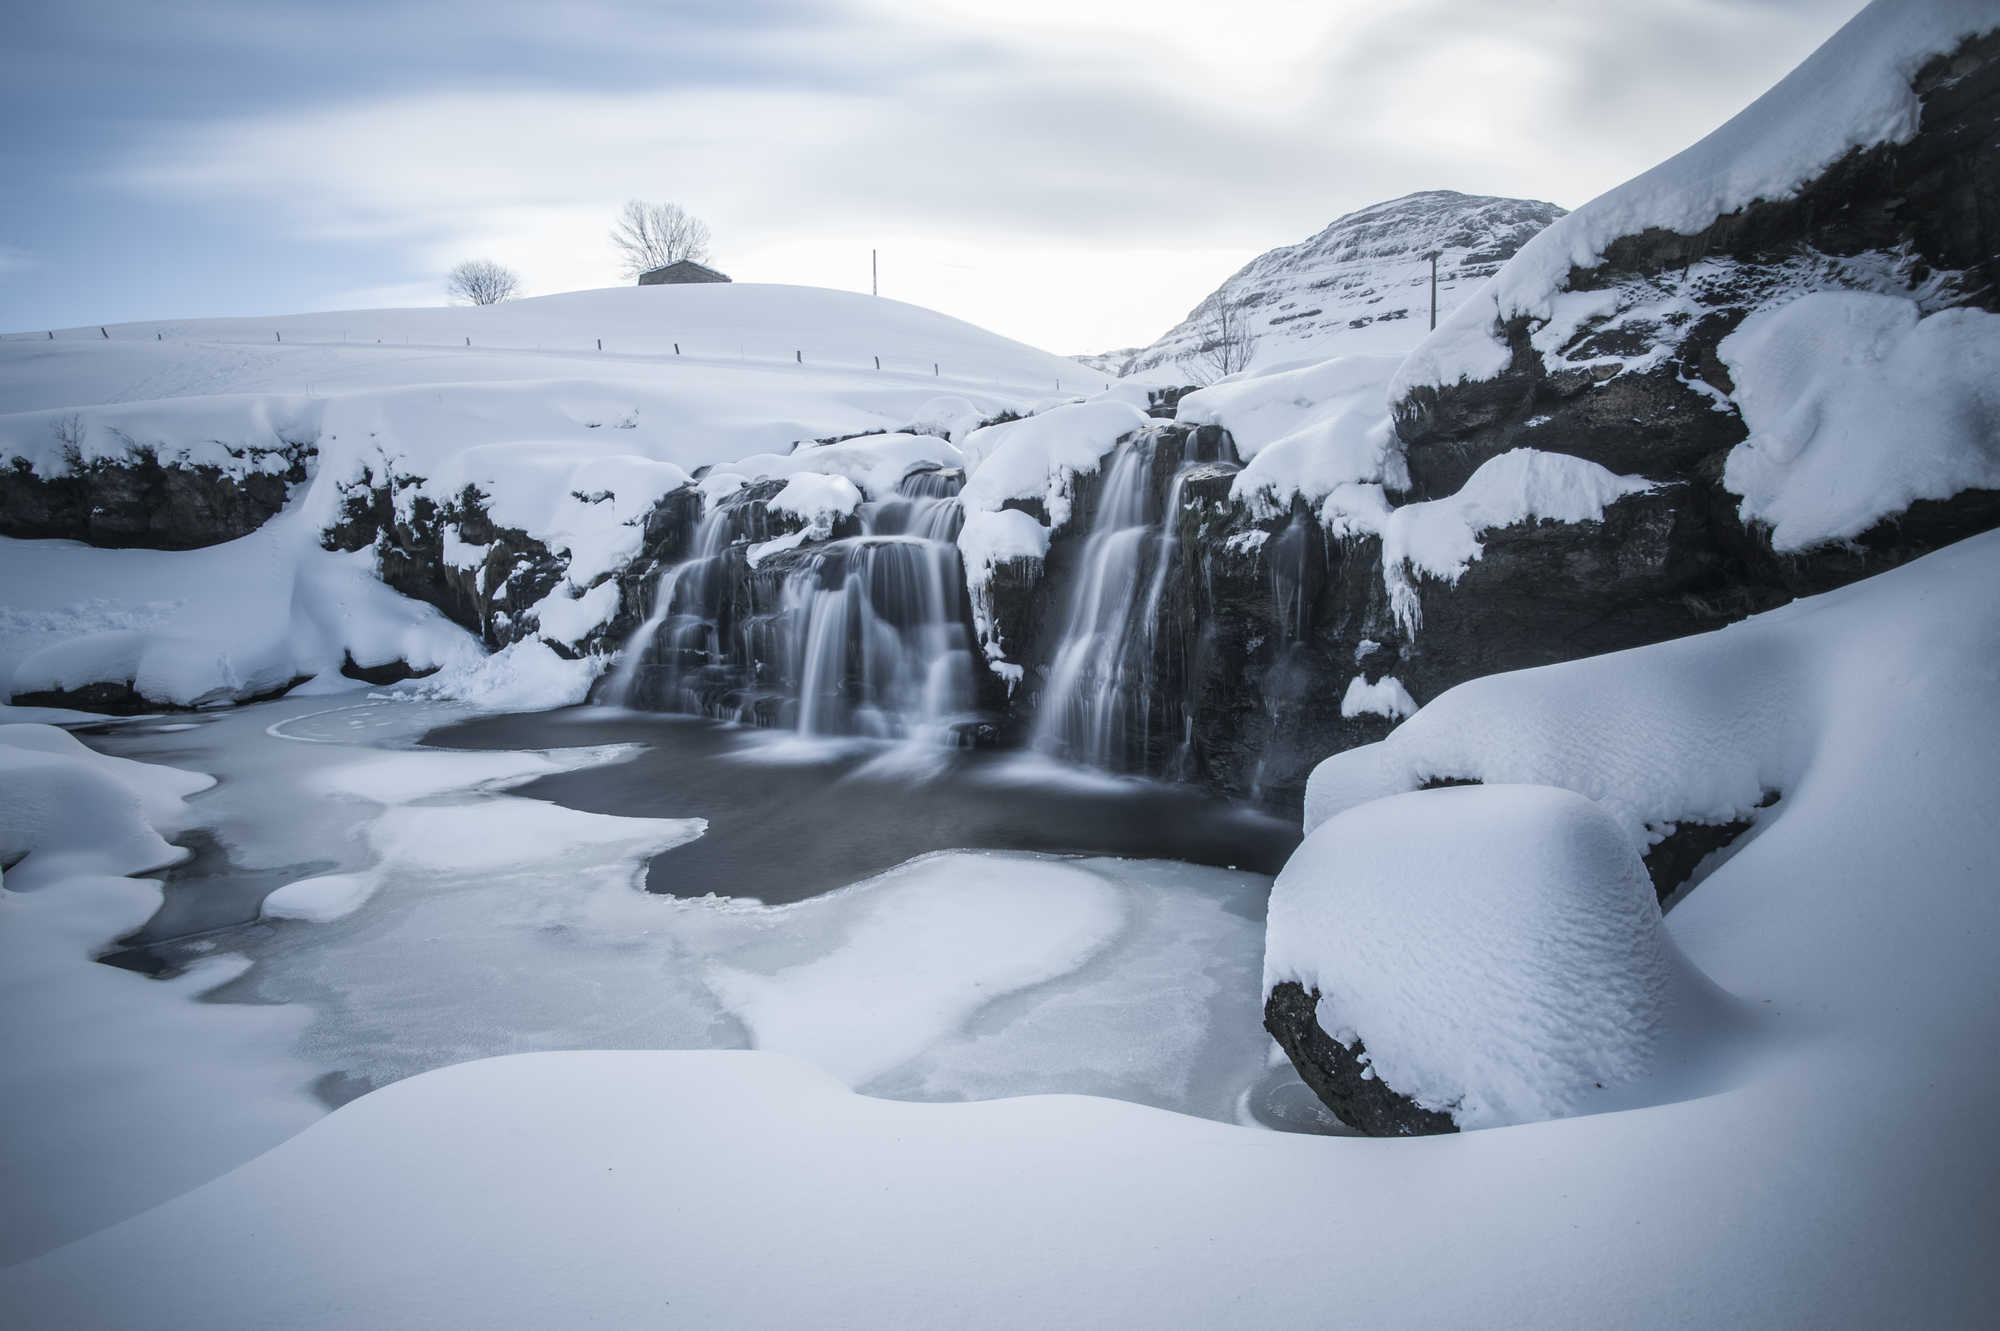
<point x="1077" y="174"/>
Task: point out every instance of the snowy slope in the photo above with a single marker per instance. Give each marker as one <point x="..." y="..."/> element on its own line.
<point x="1853" y="92"/>
<point x="1839" y="1177"/>
<point x="564" y="443"/>
<point x="1362" y="286"/>
<point x="741" y="322"/>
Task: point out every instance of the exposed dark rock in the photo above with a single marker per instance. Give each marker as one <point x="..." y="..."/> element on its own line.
<point x="119" y="698"/>
<point x="384" y="673"/>
<point x="1340" y="1075"/>
<point x="142" y="501"/>
<point x="491" y="599"/>
<point x="1673" y="860"/>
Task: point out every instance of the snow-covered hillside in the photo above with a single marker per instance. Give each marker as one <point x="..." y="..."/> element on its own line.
<point x="1363" y="285"/>
<point x="158" y="435"/>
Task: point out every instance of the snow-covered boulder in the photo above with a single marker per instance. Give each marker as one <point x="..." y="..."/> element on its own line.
<point x="1474" y="956"/>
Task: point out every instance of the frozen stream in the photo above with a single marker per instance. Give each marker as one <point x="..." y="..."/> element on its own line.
<point x="451" y="887"/>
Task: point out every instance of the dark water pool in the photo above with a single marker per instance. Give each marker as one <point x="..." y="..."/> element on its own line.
<point x="787" y="821"/>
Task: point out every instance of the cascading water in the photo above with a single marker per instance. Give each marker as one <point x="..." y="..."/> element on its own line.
<point x="650" y="672"/>
<point x="1099" y="704"/>
<point x="866" y="635"/>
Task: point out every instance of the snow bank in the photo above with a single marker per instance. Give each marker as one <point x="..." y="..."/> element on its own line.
<point x="1497" y="949"/>
<point x="237" y="435"/>
<point x="876" y="463"/>
<point x="525" y="676"/>
<point x="1853" y="92"/>
<point x="1856" y="408"/>
<point x="72" y="824"/>
<point x="69" y="811"/>
<point x="215" y="625"/>
<point x="1041" y="456"/>
<point x="1700" y="729"/>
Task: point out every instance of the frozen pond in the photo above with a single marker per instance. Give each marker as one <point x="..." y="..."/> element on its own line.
<point x="922" y="924"/>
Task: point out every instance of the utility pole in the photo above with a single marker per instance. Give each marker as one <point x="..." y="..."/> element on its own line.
<point x="1433" y="257"/>
<point x="874" y="273"/>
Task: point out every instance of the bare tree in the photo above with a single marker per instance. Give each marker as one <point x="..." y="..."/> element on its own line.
<point x="1227" y="343"/>
<point x="481" y="282"/>
<point x="653" y="235"/>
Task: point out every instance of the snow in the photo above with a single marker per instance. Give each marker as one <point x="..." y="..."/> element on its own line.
<point x="321" y="899"/>
<point x="1386" y="697"/>
<point x="564" y="1188"/>
<point x="817" y="499"/>
<point x="570" y="445"/>
<point x="1439" y="538"/>
<point x="1040" y="457"/>
<point x="948" y="417"/>
<point x="194" y="627"/>
<point x="110" y="1075"/>
<point x="525" y="676"/>
<point x="875" y="463"/>
<point x="1498" y="950"/>
<point x="1855" y="91"/>
<point x="937" y="940"/>
<point x="1856" y="407"/>
<point x="1306" y="431"/>
<point x="1361" y="287"/>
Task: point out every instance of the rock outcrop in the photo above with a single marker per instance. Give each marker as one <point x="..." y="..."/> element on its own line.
<point x="142" y="500"/>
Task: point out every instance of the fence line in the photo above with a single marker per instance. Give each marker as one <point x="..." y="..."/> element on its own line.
<point x="910" y="364"/>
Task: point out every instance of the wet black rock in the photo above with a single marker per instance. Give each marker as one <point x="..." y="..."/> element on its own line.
<point x="1339" y="1074"/>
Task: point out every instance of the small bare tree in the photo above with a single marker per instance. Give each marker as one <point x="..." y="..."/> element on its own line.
<point x="653" y="235"/>
<point x="482" y="282"/>
<point x="1227" y="343"/>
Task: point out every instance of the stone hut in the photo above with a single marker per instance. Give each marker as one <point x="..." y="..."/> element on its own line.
<point x="684" y="270"/>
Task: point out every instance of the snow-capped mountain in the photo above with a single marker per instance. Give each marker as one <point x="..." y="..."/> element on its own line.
<point x="1363" y="284"/>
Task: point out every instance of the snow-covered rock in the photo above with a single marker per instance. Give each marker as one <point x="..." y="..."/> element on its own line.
<point x="1479" y="955"/>
<point x="1857" y="407"/>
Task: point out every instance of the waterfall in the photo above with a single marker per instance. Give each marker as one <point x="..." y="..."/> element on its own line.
<point x="880" y="640"/>
<point x="1098" y="705"/>
<point x="867" y="635"/>
<point x="649" y="672"/>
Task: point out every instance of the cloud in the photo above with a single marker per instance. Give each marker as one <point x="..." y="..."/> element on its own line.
<point x="1102" y="163"/>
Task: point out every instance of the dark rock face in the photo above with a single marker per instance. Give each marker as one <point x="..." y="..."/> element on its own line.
<point x="1336" y="1072"/>
<point x="1918" y="217"/>
<point x="490" y="599"/>
<point x="144" y="502"/>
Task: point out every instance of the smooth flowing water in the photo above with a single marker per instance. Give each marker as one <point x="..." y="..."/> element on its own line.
<point x="868" y="635"/>
<point x="1099" y="707"/>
